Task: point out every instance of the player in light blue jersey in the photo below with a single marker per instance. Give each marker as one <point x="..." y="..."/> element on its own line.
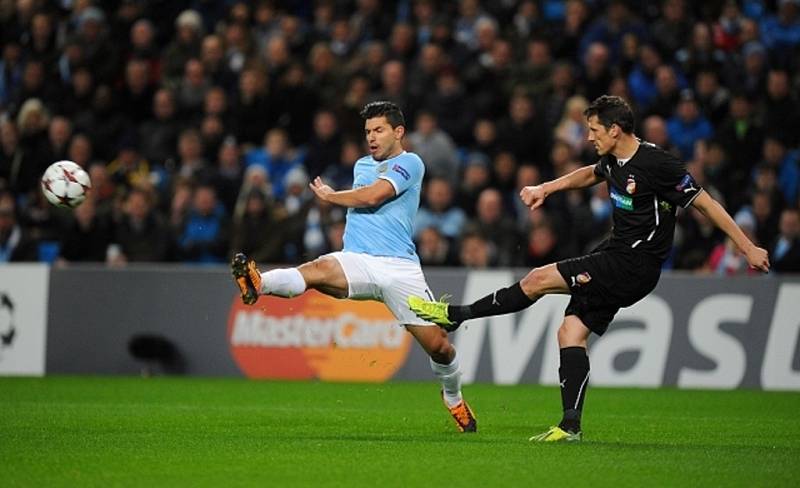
<point x="379" y="260"/>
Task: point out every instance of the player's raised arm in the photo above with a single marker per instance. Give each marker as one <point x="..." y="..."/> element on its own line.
<point x="756" y="257"/>
<point x="533" y="196"/>
<point x="366" y="196"/>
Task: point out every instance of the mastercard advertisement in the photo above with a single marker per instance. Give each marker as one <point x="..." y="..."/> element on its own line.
<point x="314" y="336"/>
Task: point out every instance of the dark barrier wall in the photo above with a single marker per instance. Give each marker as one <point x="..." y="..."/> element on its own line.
<point x="691" y="332"/>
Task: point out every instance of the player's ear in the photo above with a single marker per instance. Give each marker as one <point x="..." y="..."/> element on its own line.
<point x="399" y="131"/>
<point x="613" y="131"/>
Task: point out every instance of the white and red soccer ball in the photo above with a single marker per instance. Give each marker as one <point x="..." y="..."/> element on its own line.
<point x="65" y="184"/>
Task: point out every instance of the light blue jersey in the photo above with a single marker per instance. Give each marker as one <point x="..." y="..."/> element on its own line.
<point x="386" y="230"/>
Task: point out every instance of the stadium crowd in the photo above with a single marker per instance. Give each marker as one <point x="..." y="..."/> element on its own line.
<point x="200" y="123"/>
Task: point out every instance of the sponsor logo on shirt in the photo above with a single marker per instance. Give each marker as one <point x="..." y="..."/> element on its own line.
<point x="621" y="201"/>
<point x="403" y="172"/>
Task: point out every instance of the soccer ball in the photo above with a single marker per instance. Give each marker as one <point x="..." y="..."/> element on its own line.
<point x="65" y="184"/>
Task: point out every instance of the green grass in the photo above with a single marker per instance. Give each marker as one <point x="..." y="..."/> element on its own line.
<point x="64" y="431"/>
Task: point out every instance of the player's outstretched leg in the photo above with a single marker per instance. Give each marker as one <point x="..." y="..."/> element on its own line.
<point x="247" y="277"/>
<point x="449" y="317"/>
<point x="285" y="282"/>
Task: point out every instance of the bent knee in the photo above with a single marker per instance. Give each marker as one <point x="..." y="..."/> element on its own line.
<point x="543" y="280"/>
<point x="534" y="282"/>
<point x="319" y="271"/>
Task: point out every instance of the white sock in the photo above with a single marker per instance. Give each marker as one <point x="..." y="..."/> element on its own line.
<point x="450" y="376"/>
<point x="285" y="282"/>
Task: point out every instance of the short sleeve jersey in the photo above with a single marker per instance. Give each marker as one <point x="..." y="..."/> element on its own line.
<point x="645" y="193"/>
<point x="386" y="230"/>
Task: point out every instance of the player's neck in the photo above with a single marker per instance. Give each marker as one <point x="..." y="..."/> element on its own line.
<point x="395" y="152"/>
<point x="626" y="147"/>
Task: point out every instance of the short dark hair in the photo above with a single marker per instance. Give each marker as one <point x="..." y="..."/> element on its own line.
<point x="611" y="110"/>
<point x="386" y="109"/>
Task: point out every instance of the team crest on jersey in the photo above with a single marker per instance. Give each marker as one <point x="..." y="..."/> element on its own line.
<point x="580" y="279"/>
<point x="382" y="168"/>
<point x="630" y="187"/>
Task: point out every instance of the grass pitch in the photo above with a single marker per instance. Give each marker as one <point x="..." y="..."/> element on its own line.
<point x="65" y="431"/>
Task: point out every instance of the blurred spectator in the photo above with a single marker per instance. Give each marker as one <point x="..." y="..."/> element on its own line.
<point x="726" y="259"/>
<point x="450" y="103"/>
<point x="521" y="132"/>
<point x="10" y="73"/>
<point x="229" y="173"/>
<point x="712" y="98"/>
<point x="673" y="28"/>
<point x="572" y="126"/>
<point x="438" y="210"/>
<point x="212" y="56"/>
<point x="87" y="234"/>
<point x="298" y="103"/>
<point x="434" y="249"/>
<point x="668" y="92"/>
<point x="700" y="54"/>
<point x="785" y="252"/>
<point x="191" y="164"/>
<point x="159" y="135"/>
<point x="567" y="35"/>
<point x="205" y="235"/>
<point x="76" y="100"/>
<point x="258" y="230"/>
<point x="253" y="110"/>
<point x="143" y="47"/>
<point x="688" y="126"/>
<point x="141" y="234"/>
<point x="611" y="27"/>
<point x="476" y="179"/>
<point x="32" y="122"/>
<point x="654" y="129"/>
<point x="277" y="157"/>
<point x="10" y="156"/>
<point x="742" y="138"/>
<point x="106" y="123"/>
<point x="325" y="145"/>
<point x="492" y="222"/>
<point x="137" y="92"/>
<point x="325" y="77"/>
<point x="781" y="31"/>
<point x="475" y="251"/>
<point x="543" y="246"/>
<point x="596" y="74"/>
<point x="435" y="147"/>
<point x="93" y="40"/>
<point x="58" y="136"/>
<point x="785" y="164"/>
<point x="191" y="90"/>
<point x="185" y="45"/>
<point x="781" y="109"/>
<point x="14" y="242"/>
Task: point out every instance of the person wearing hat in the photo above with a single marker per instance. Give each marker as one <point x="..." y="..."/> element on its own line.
<point x="185" y="45"/>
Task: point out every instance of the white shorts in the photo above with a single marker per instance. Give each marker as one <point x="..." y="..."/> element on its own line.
<point x="385" y="279"/>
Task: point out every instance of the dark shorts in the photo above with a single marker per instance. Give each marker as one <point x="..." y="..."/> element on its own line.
<point x="604" y="281"/>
